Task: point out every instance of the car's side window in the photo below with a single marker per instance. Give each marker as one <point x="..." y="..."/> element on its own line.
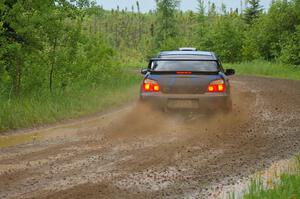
<point x="150" y="65"/>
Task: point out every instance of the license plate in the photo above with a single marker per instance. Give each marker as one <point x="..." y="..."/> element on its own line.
<point x="175" y="103"/>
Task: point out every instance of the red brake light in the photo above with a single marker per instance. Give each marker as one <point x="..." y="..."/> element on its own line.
<point x="150" y="85"/>
<point x="147" y="87"/>
<point x="216" y="86"/>
<point x="183" y="73"/>
<point x="156" y="88"/>
<point x="221" y="87"/>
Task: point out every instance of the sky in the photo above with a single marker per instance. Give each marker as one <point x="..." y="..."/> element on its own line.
<point x="147" y="5"/>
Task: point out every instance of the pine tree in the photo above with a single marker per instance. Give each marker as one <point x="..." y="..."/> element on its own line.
<point x="201" y="22"/>
<point x="201" y="11"/>
<point x="166" y="21"/>
<point x="253" y="11"/>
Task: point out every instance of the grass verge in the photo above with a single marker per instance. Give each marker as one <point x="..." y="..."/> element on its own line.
<point x="264" y="68"/>
<point x="288" y="186"/>
<point x="43" y="108"/>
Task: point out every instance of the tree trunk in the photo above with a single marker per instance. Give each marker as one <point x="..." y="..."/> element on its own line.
<point x="53" y="54"/>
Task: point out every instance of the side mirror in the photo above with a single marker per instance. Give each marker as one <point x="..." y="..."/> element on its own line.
<point x="144" y="71"/>
<point x="229" y="72"/>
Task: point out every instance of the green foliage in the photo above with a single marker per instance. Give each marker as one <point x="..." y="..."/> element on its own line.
<point x="51" y="63"/>
<point x="288" y="187"/>
<point x="227" y="33"/>
<point x="264" y="68"/>
<point x="166" y="30"/>
<point x="253" y="11"/>
<point x="290" y="49"/>
<point x="225" y="36"/>
<point x="274" y="35"/>
<point x="45" y="46"/>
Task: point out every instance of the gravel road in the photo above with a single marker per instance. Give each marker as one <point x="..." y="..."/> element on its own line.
<point x="134" y="152"/>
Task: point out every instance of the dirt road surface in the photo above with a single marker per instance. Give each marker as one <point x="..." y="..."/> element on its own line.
<point x="134" y="152"/>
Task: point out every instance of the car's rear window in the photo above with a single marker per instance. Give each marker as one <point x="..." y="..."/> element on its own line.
<point x="190" y="65"/>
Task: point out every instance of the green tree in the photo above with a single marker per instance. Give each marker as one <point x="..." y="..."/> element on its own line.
<point x="253" y="11"/>
<point x="166" y="25"/>
<point x="201" y="23"/>
<point x="274" y="35"/>
<point x="290" y="49"/>
<point x="224" y="36"/>
<point x="19" y="37"/>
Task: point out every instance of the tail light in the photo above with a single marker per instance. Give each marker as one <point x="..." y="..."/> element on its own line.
<point x="217" y="86"/>
<point x="150" y="85"/>
<point x="183" y="73"/>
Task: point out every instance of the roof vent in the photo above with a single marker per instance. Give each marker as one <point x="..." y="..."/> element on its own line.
<point x="187" y="49"/>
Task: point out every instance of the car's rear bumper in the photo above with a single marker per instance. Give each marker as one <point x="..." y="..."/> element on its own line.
<point x="207" y="101"/>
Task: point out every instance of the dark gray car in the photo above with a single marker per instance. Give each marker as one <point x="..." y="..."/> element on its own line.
<point x="186" y="79"/>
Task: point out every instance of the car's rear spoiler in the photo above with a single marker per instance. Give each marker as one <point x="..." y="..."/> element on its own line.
<point x="184" y="72"/>
<point x="181" y="59"/>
